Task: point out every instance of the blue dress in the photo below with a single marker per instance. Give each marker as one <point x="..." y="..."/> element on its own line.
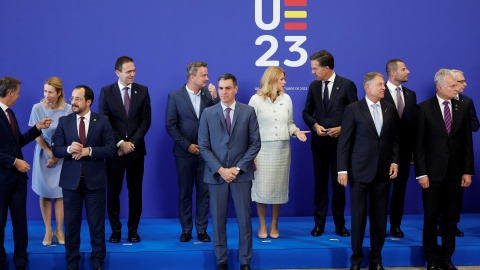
<point x="45" y="179"/>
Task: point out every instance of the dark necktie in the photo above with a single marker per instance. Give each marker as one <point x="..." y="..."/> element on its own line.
<point x="126" y="100"/>
<point x="228" y="121"/>
<point x="81" y="133"/>
<point x="325" y="96"/>
<point x="12" y="121"/>
<point x="400" y="103"/>
<point x="447" y="117"/>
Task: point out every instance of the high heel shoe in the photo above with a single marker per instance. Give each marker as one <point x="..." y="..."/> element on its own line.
<point x="59" y="241"/>
<point x="262" y="235"/>
<point x="47" y="242"/>
<point x="274" y="235"/>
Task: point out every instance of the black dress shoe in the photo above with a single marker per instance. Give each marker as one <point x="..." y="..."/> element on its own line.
<point x="355" y="267"/>
<point x="133" y="236"/>
<point x="116" y="236"/>
<point x="397" y="232"/>
<point x="343" y="232"/>
<point x="245" y="267"/>
<point x="222" y="266"/>
<point x="317" y="230"/>
<point x="203" y="236"/>
<point x="448" y="266"/>
<point x="186" y="236"/>
<point x="459" y="233"/>
<point x="376" y="266"/>
<point x="432" y="266"/>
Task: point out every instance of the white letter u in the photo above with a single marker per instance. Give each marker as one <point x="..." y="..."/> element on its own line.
<point x="259" y="19"/>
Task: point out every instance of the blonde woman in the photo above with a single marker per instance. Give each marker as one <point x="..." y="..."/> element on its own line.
<point x="275" y="119"/>
<point x="46" y="167"/>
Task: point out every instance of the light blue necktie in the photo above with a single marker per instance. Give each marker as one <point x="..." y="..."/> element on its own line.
<point x="376" y="119"/>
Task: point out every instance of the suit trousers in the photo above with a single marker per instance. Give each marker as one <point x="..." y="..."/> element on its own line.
<point x="440" y="197"/>
<point x="325" y="161"/>
<point x="242" y="200"/>
<point x="14" y="197"/>
<point x="397" y="201"/>
<point x="374" y="194"/>
<point x="95" y="209"/>
<point x="190" y="172"/>
<point x="116" y="168"/>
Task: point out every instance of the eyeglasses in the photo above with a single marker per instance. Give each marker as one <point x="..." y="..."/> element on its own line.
<point x="462" y="81"/>
<point x="77" y="99"/>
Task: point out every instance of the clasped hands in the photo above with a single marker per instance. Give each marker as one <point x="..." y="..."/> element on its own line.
<point x="125" y="148"/>
<point x="52" y="160"/>
<point x="323" y="132"/>
<point x="78" y="151"/>
<point x="228" y="174"/>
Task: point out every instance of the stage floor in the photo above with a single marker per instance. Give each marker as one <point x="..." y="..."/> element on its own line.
<point x="295" y="249"/>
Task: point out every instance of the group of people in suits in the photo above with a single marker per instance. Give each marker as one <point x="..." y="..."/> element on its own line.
<point x="79" y="152"/>
<point x="367" y="143"/>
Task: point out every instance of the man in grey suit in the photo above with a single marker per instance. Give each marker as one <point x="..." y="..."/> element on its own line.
<point x="229" y="141"/>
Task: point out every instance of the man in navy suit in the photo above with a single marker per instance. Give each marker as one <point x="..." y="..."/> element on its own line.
<point x="368" y="156"/>
<point x="444" y="164"/>
<point x="323" y="114"/>
<point x="84" y="139"/>
<point x="405" y="101"/>
<point x="184" y="108"/>
<point x="127" y="105"/>
<point x="475" y="125"/>
<point x="229" y="141"/>
<point x="13" y="171"/>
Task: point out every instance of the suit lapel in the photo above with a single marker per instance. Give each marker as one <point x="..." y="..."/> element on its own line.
<point x="235" y="116"/>
<point x="91" y="126"/>
<point x="337" y="84"/>
<point x="133" y="98"/>
<point x="188" y="101"/>
<point x="437" y="114"/>
<point x="117" y="96"/>
<point x="73" y="126"/>
<point x="222" y="117"/>
<point x="366" y="113"/>
<point x="385" y="115"/>
<point x="204" y="100"/>
<point x="455" y="116"/>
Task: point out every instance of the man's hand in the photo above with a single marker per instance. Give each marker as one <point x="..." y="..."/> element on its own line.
<point x="193" y="148"/>
<point x="127" y="147"/>
<point x="227" y="174"/>
<point x="466" y="180"/>
<point x="44" y="123"/>
<point x="424" y="182"/>
<point x="320" y="130"/>
<point x="301" y="135"/>
<point x="76" y="148"/>
<point x="212" y="90"/>
<point x="334" y="132"/>
<point x="343" y="179"/>
<point x="21" y="165"/>
<point x="85" y="152"/>
<point x="393" y="171"/>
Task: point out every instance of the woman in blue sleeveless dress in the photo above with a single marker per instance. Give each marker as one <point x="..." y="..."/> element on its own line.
<point x="46" y="168"/>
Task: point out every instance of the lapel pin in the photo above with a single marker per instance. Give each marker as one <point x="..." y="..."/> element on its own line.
<point x="135" y="92"/>
<point x="281" y="104"/>
<point x="94" y="120"/>
<point x="203" y="94"/>
<point x="338" y="88"/>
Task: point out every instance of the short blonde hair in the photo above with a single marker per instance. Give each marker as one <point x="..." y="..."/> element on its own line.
<point x="56" y="83"/>
<point x="268" y="83"/>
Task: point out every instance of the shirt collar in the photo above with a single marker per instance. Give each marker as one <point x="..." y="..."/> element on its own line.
<point x="393" y="88"/>
<point x="332" y="78"/>
<point x="3" y="106"/>
<point x="191" y="92"/>
<point x="231" y="106"/>
<point x="120" y="86"/>
<point x="440" y="100"/>
<point x="87" y="116"/>
<point x="370" y="103"/>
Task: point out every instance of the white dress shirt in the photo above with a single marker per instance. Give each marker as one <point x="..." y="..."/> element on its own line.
<point x="329" y="85"/>
<point x="393" y="92"/>
<point x="195" y="99"/>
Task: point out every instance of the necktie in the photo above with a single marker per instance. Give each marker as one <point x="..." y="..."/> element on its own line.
<point x="447" y="117"/>
<point x="126" y="100"/>
<point x="12" y="121"/>
<point x="376" y="119"/>
<point x="325" y="96"/>
<point x="228" y="121"/>
<point x="81" y="133"/>
<point x="400" y="103"/>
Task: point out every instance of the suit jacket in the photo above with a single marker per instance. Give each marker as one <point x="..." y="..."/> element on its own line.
<point x="361" y="151"/>
<point x="139" y="115"/>
<point x="181" y="121"/>
<point x="219" y="149"/>
<point x="407" y="122"/>
<point x="436" y="152"/>
<point x="471" y="110"/>
<point x="343" y="93"/>
<point x="99" y="137"/>
<point x="11" y="148"/>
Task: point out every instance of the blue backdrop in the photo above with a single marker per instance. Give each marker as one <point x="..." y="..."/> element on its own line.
<point x="79" y="41"/>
